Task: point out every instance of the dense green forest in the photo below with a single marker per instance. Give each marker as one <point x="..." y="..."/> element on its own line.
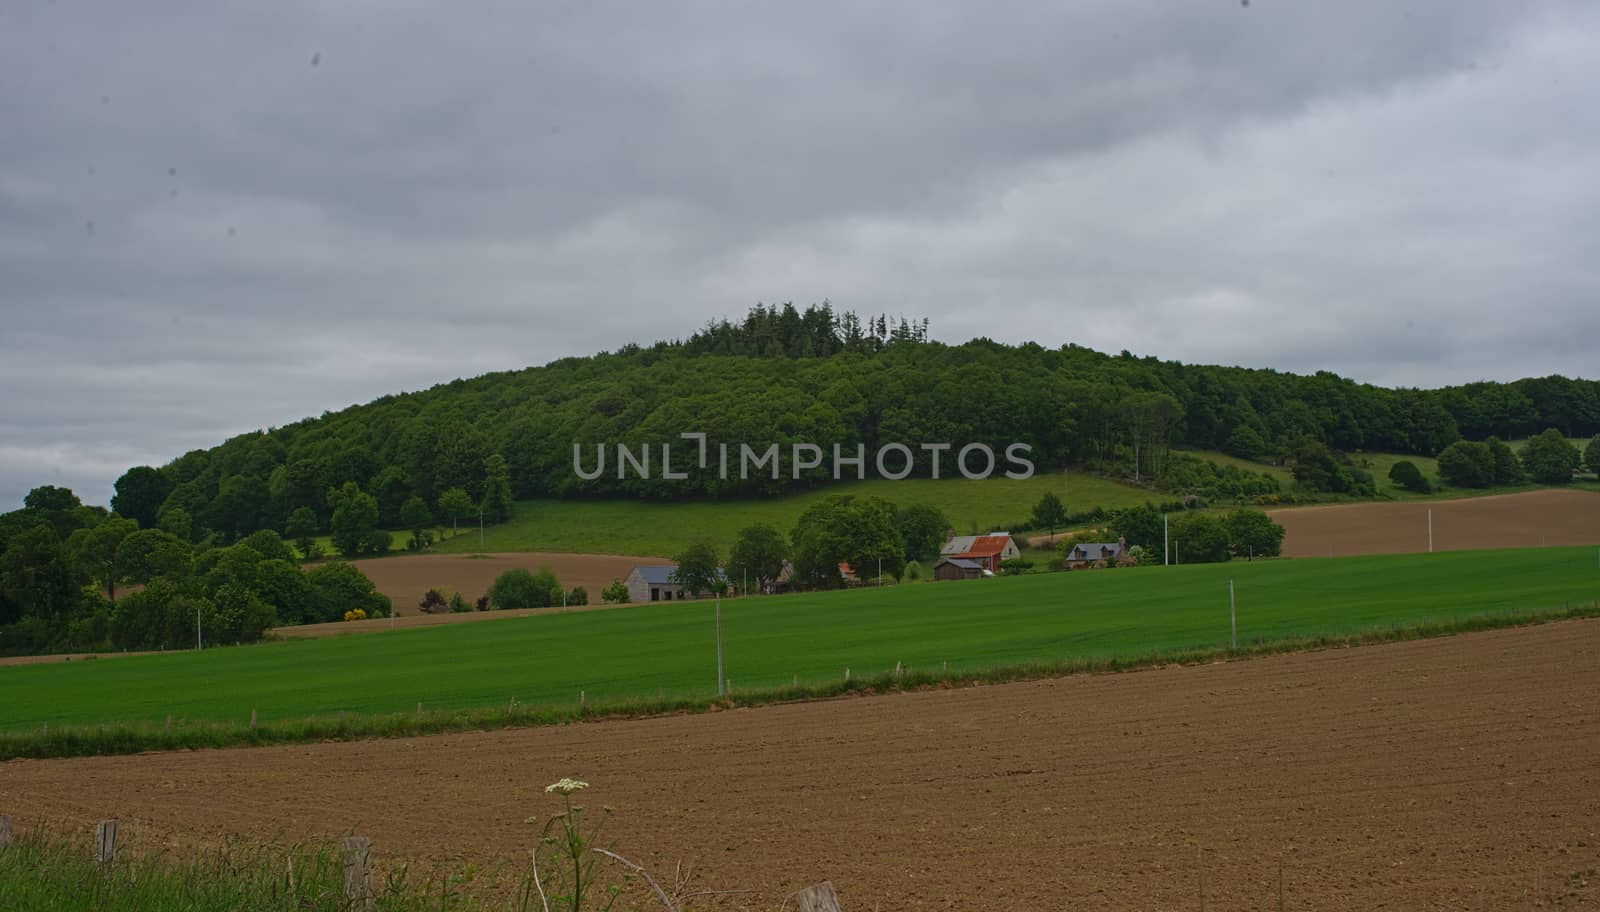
<point x="782" y="376"/>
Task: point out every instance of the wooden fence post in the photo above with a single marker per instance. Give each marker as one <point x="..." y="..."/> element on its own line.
<point x="5" y="832"/>
<point x="105" y="842"/>
<point x="818" y="898"/>
<point x="357" y="873"/>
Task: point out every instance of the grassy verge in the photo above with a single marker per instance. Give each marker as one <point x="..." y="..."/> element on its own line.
<point x="75" y="741"/>
<point x="41" y="873"/>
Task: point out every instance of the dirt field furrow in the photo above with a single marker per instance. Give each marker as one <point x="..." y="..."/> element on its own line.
<point x="1457" y="773"/>
<point x="1532" y="519"/>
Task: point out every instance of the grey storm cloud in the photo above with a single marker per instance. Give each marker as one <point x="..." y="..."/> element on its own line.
<point x="232" y="216"/>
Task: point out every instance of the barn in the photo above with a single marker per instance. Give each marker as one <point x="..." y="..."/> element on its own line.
<point x="655" y="584"/>
<point x="988" y="550"/>
<point x="956" y="568"/>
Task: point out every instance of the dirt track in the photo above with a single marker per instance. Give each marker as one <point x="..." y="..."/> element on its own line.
<point x="1456" y="773"/>
<point x="1550" y="516"/>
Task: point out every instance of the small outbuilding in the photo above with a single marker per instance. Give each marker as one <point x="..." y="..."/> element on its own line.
<point x="956" y="568"/>
<point x="656" y="584"/>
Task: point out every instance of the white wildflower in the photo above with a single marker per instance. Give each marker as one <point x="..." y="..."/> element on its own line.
<point x="566" y="786"/>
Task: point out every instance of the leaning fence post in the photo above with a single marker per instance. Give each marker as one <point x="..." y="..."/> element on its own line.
<point x="105" y="842"/>
<point x="5" y="832"/>
<point x="818" y="898"/>
<point x="357" y="872"/>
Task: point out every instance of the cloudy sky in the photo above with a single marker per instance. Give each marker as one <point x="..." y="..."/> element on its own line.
<point x="216" y="217"/>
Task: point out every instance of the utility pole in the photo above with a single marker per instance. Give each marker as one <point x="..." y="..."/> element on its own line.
<point x="198" y="644"/>
<point x="1233" y="615"/>
<point x="1166" y="542"/>
<point x="719" y="645"/>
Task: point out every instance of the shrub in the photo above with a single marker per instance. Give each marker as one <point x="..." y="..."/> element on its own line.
<point x="616" y="593"/>
<point x="458" y="604"/>
<point x="1550" y="458"/>
<point x="1199" y="539"/>
<point x="1465" y="464"/>
<point x="913" y="570"/>
<point x="1252" y="533"/>
<point x="1015" y="565"/>
<point x="518" y="588"/>
<point x="578" y="596"/>
<point x="1591" y="455"/>
<point x="338" y="587"/>
<point x="1406" y="474"/>
<point x="434" y="602"/>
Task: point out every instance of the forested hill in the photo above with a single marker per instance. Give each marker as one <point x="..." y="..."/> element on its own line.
<point x="783" y="375"/>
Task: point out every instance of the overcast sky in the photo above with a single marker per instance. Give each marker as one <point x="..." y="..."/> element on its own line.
<point x="217" y="217"/>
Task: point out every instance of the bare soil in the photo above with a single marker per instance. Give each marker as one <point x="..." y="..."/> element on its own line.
<point x="406" y="579"/>
<point x="1454" y="773"/>
<point x="1550" y="516"/>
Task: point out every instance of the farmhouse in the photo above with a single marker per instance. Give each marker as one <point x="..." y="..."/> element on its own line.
<point x="987" y="550"/>
<point x="1091" y="554"/>
<point x="655" y="584"/>
<point x="955" y="568"/>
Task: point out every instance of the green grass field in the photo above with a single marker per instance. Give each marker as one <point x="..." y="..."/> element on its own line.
<point x="637" y="527"/>
<point x="631" y="652"/>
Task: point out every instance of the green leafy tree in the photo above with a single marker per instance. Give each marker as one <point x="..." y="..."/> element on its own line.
<point x="758" y="555"/>
<point x="337" y="587"/>
<point x="301" y="527"/>
<point x="1199" y="538"/>
<point x="1466" y="464"/>
<point x="241" y="616"/>
<point x="38" y="575"/>
<point x="1591" y="455"/>
<point x="456" y="503"/>
<point x="698" y="569"/>
<point x="1507" y="469"/>
<point x="1139" y="526"/>
<point x="496" y="489"/>
<point x="923" y="529"/>
<point x="1252" y="533"/>
<point x="162" y="615"/>
<point x="1245" y="443"/>
<point x="139" y="495"/>
<point x="1550" y="458"/>
<point x="1049" y="513"/>
<point x="95" y="550"/>
<point x="355" y="522"/>
<point x="1406" y="474"/>
<point x="519" y="588"/>
<point x="176" y="521"/>
<point x="616" y="593"/>
<point x="414" y="515"/>
<point x="151" y="554"/>
<point x="280" y="584"/>
<point x="269" y="544"/>
<point x="858" y="531"/>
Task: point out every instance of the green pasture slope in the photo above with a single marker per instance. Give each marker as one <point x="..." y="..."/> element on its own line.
<point x="633" y="651"/>
<point x="643" y="527"/>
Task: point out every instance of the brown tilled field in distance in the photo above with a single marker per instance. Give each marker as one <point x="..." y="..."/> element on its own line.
<point x="1550" y="516"/>
<point x="405" y="579"/>
<point x="1454" y="773"/>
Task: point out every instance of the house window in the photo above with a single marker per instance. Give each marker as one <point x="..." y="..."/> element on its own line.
<point x="655" y="594"/>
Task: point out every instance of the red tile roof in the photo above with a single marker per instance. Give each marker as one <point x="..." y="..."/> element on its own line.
<point x="985" y="546"/>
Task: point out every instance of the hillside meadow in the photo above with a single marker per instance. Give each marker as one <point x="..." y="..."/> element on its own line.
<point x="669" y="648"/>
<point x="653" y="527"/>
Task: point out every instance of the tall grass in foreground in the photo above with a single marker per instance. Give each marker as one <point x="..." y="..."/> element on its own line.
<point x="39" y="873"/>
<point x="136" y="737"/>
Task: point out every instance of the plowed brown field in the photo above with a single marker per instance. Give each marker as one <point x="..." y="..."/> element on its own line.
<point x="405" y="579"/>
<point x="1455" y="773"/>
<point x="1550" y="516"/>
